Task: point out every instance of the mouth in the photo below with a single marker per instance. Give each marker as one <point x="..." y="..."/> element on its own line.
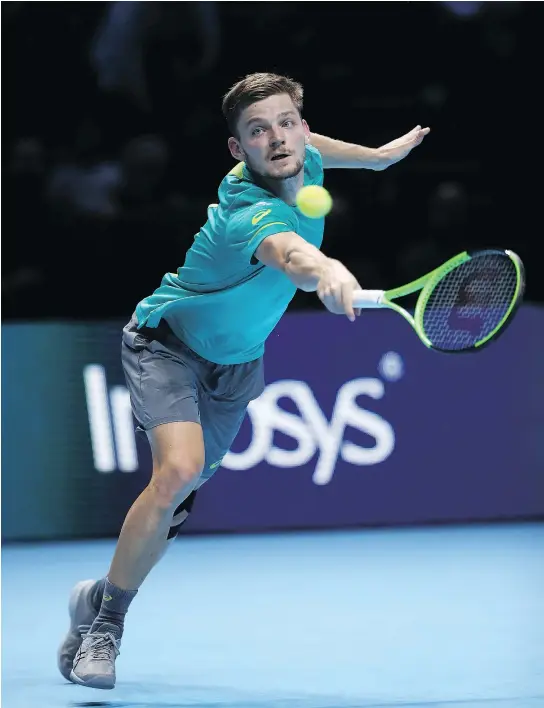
<point x="279" y="157"/>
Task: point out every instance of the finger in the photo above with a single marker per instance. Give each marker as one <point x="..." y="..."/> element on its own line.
<point x="328" y="299"/>
<point x="357" y="310"/>
<point x="336" y="299"/>
<point x="322" y="292"/>
<point x="335" y="291"/>
<point x="347" y="301"/>
<point x="329" y="302"/>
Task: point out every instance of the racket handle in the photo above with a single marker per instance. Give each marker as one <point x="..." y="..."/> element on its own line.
<point x="368" y="298"/>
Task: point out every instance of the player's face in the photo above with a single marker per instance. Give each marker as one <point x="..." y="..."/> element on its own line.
<point x="272" y="138"/>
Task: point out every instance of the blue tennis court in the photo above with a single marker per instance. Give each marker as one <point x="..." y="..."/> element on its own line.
<point x="419" y="617"/>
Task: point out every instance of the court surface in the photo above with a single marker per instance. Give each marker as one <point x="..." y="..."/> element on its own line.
<point x="428" y="617"/>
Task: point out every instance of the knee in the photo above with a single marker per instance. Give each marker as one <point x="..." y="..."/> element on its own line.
<point x="172" y="479"/>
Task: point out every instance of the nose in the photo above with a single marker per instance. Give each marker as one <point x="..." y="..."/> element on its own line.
<point x="276" y="140"/>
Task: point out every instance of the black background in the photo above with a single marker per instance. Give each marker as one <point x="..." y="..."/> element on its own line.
<point x="371" y="72"/>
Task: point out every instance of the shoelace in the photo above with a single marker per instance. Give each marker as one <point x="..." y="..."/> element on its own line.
<point x="83" y="629"/>
<point x="100" y="646"/>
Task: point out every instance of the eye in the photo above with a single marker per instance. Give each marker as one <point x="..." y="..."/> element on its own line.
<point x="288" y="123"/>
<point x="256" y="131"/>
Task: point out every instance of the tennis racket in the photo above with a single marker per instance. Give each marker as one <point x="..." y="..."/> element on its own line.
<point x="464" y="304"/>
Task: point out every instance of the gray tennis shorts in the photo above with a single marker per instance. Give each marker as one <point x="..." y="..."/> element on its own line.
<point x="168" y="382"/>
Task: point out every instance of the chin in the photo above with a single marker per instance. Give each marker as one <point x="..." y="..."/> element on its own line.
<point x="287" y="171"/>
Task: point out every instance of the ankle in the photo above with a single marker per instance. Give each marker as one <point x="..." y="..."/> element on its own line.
<point x="96" y="593"/>
<point x="115" y="604"/>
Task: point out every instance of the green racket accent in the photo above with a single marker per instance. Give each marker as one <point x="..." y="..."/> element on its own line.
<point x="520" y="287"/>
<point x="466" y="302"/>
<point x="416" y="285"/>
<point x="430" y="281"/>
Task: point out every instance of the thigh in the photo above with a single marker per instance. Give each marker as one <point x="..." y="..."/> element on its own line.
<point x="176" y="444"/>
<point x="221" y="421"/>
<point x="223" y="408"/>
<point x="162" y="387"/>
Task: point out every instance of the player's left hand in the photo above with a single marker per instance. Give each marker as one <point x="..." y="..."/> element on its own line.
<point x="398" y="149"/>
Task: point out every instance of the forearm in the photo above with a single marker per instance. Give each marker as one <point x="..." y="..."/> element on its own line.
<point x="336" y="153"/>
<point x="300" y="261"/>
<point x="304" y="266"/>
<point x="310" y="270"/>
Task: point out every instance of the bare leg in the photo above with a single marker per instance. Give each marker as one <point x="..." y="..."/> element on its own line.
<point x="178" y="459"/>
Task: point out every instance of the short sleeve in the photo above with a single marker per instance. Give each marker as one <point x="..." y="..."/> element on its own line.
<point x="313" y="166"/>
<point x="250" y="225"/>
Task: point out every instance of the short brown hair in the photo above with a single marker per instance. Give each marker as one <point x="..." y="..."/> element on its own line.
<point x="256" y="87"/>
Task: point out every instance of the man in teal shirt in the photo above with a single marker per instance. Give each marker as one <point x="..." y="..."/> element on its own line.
<point x="223" y="302"/>
<point x="193" y="350"/>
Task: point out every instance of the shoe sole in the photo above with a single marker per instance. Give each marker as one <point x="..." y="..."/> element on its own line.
<point x="103" y="682"/>
<point x="75" y="597"/>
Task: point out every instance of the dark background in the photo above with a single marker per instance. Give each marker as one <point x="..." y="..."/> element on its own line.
<point x="114" y="142"/>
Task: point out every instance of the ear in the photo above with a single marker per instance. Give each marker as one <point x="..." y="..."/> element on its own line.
<point x="236" y="150"/>
<point x="306" y="131"/>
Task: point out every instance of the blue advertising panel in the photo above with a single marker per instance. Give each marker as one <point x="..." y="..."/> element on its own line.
<point x="359" y="424"/>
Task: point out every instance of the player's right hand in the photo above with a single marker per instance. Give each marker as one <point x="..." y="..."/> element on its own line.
<point x="335" y="289"/>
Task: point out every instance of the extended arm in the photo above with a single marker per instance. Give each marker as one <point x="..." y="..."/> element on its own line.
<point x="311" y="271"/>
<point x="336" y="153"/>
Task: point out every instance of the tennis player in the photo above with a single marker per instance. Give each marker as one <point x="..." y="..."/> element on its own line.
<point x="193" y="350"/>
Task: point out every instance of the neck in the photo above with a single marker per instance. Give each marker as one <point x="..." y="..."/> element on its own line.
<point x="285" y="189"/>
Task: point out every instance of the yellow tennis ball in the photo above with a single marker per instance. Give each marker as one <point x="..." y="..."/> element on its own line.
<point x="314" y="201"/>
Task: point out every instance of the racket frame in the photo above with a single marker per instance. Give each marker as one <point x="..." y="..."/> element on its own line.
<point x="426" y="283"/>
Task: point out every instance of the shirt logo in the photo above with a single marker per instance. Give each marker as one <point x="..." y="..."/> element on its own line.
<point x="216" y="464"/>
<point x="260" y="215"/>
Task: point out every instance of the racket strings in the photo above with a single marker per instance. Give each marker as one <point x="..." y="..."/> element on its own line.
<point x="469" y="302"/>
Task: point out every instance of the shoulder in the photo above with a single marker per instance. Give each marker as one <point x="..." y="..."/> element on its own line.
<point x="245" y="204"/>
<point x="259" y="211"/>
<point x="237" y="191"/>
<point x="313" y="166"/>
<point x="313" y="154"/>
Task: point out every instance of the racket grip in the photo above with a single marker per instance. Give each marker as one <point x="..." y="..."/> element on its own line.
<point x="368" y="298"/>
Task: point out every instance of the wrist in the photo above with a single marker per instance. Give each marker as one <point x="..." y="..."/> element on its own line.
<point x="321" y="270"/>
<point x="382" y="159"/>
<point x="305" y="268"/>
<point x="368" y="158"/>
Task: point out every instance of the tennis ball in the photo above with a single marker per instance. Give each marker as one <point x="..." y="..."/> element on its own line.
<point x="314" y="201"/>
